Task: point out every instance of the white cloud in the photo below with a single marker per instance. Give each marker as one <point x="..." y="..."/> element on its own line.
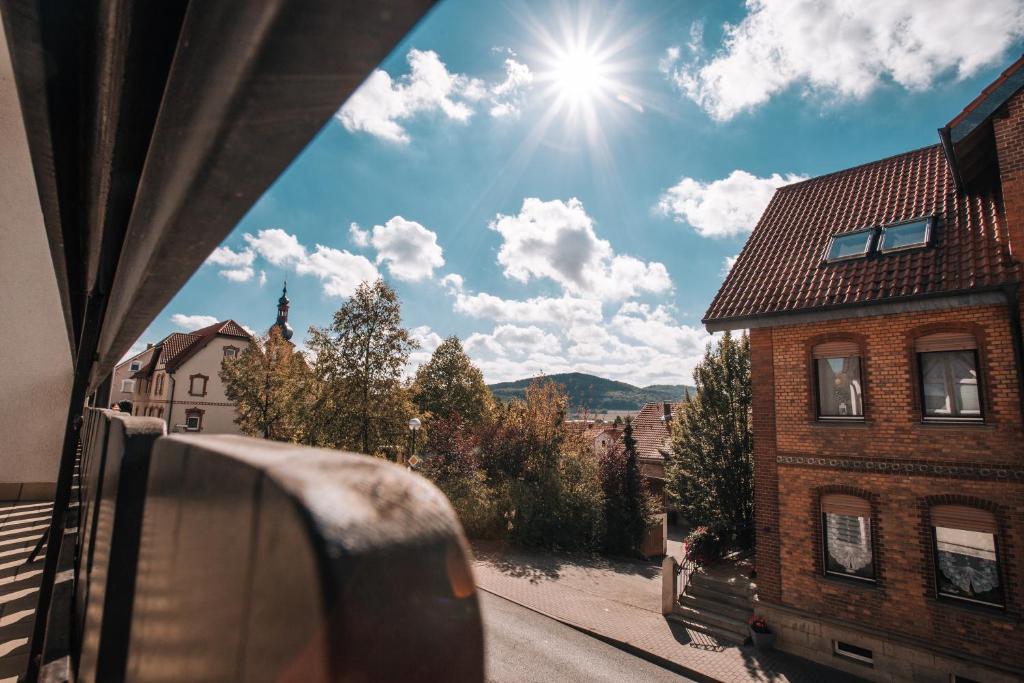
<point x="541" y="309"/>
<point x="382" y="104"/>
<point x="137" y="347"/>
<point x="340" y="272"/>
<point x="506" y="96"/>
<point x="192" y="322"/>
<point x="410" y="250"/>
<point x="656" y="327"/>
<point x="556" y="240"/>
<point x="727" y="263"/>
<point x="263" y="277"/>
<point x="225" y="256"/>
<point x="277" y="246"/>
<point x="845" y="49"/>
<point x="513" y="339"/>
<point x="722" y="208"/>
<point x="359" y="237"/>
<point x="452" y="282"/>
<point x="238" y="274"/>
<point x="238" y="263"/>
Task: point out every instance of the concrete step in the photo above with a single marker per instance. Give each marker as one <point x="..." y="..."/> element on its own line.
<point x="712" y="604"/>
<point x="721" y="636"/>
<point x="742" y="587"/>
<point x="723" y="622"/>
<point x="703" y="590"/>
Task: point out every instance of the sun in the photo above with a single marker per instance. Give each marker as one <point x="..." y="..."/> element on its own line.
<point x="579" y="75"/>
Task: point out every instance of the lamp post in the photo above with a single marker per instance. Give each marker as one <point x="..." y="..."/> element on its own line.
<point x="414" y="426"/>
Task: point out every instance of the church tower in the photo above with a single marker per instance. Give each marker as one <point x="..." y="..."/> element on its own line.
<point x="282" y="315"/>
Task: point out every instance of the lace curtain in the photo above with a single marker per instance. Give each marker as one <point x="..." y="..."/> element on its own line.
<point x="967" y="560"/>
<point x="849" y="541"/>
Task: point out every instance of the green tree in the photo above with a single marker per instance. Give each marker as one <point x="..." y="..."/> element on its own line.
<point x="264" y="382"/>
<point x="626" y="504"/>
<point x="450" y="384"/>
<point x="710" y="473"/>
<point x="359" y="359"/>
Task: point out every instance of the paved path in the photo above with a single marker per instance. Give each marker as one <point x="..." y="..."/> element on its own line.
<point x="525" y="646"/>
<point x="21" y="525"/>
<point x="620" y="600"/>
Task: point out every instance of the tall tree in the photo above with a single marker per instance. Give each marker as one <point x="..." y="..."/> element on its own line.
<point x="361" y="357"/>
<point x="626" y="505"/>
<point x="450" y="384"/>
<point x="264" y="382"/>
<point x="711" y="473"/>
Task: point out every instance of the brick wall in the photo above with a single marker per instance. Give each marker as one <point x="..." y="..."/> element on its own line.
<point x="893" y="426"/>
<point x="1009" y="133"/>
<point x="787" y="493"/>
<point x="903" y="600"/>
<point x="766" y="502"/>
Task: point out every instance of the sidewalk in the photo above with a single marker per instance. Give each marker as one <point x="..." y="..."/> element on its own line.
<point x="620" y="601"/>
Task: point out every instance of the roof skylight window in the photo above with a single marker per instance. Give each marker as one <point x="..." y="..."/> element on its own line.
<point x="909" y="235"/>
<point x="850" y="245"/>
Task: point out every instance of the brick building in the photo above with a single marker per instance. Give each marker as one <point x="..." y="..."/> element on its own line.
<point x="884" y="312"/>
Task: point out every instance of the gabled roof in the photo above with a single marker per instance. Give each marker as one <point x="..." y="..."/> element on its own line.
<point x="178" y="347"/>
<point x="968" y="139"/>
<point x="781" y="268"/>
<point x="652" y="429"/>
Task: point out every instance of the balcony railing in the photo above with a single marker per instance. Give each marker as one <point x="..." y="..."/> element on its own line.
<point x="228" y="558"/>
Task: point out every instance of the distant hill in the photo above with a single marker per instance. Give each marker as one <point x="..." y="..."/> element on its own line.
<point x="596" y="393"/>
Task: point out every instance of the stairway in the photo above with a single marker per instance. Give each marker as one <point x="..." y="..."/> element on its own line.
<point x="717" y="606"/>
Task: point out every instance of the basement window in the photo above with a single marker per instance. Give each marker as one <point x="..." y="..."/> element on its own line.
<point x="908" y="235"/>
<point x="850" y="245"/>
<point x="857" y="654"/>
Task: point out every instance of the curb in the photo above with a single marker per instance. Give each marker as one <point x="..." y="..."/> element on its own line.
<point x="672" y="666"/>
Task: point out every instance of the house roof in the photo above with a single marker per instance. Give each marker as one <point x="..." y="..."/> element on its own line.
<point x="781" y="268"/>
<point x="988" y="101"/>
<point x="178" y="347"/>
<point x="652" y="430"/>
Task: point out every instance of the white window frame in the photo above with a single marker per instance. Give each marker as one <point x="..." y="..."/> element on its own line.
<point x="929" y="222"/>
<point x="840" y="651"/>
<point x="189" y="426"/>
<point x="135" y="366"/>
<point x="130" y="383"/>
<point x="849" y="257"/>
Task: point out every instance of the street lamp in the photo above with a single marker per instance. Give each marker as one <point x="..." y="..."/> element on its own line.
<point x="414" y="426"/>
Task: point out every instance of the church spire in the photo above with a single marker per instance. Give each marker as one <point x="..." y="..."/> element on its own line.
<point x="282" y="314"/>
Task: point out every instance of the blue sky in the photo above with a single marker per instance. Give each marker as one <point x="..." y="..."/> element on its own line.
<point x="562" y="184"/>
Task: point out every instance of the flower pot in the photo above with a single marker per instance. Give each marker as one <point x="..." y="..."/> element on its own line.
<point x="762" y="640"/>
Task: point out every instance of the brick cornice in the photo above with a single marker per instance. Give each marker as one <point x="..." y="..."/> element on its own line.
<point x="904" y="467"/>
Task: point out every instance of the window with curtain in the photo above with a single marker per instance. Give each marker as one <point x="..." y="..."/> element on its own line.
<point x="839" y="384"/>
<point x="966" y="555"/>
<point x="950" y="387"/>
<point x="846" y="536"/>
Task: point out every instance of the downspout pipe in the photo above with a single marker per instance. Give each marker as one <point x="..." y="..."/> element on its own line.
<point x="1012" y="293"/>
<point x="170" y="407"/>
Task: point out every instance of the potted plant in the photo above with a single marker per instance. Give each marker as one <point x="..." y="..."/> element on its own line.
<point x="762" y="636"/>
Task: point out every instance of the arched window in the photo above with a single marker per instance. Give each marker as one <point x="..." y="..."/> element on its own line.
<point x="838" y="381"/>
<point x="950" y="382"/>
<point x="197" y="385"/>
<point x="966" y="554"/>
<point x="846" y="536"/>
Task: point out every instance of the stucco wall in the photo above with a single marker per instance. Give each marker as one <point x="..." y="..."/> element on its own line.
<point x="35" y="358"/>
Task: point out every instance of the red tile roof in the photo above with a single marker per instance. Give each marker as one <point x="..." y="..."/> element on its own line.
<point x="781" y="267"/>
<point x="989" y="89"/>
<point x="652" y="431"/>
<point x="177" y="347"/>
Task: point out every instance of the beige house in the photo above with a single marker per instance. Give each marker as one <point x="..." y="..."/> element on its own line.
<point x="178" y="379"/>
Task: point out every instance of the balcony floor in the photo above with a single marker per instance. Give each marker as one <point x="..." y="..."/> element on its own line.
<point x="21" y="525"/>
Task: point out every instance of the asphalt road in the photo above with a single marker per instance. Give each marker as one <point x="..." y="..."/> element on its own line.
<point x="525" y="646"/>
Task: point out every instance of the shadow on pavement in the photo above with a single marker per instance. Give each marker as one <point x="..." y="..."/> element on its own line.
<point x="536" y="565"/>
